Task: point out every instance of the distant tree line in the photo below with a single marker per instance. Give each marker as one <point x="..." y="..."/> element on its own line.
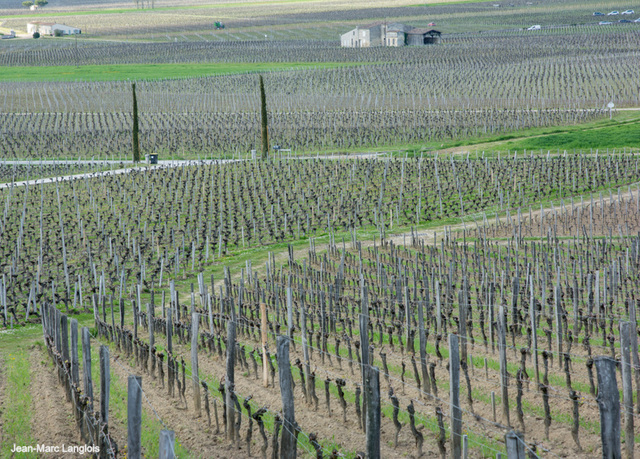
<point x="29" y="3"/>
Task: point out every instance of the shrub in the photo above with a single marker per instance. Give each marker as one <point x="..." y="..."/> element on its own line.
<point x="36" y="34"/>
<point x="58" y="33"/>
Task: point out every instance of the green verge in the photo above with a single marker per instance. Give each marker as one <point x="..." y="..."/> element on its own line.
<point x="623" y="131"/>
<point x="16" y="412"/>
<point x="610" y="135"/>
<point x="150" y="71"/>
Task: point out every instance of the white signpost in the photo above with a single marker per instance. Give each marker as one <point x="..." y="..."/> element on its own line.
<point x="610" y="105"/>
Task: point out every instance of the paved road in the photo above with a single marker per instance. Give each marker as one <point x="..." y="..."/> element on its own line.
<point x="65" y="178"/>
<point x="143" y="166"/>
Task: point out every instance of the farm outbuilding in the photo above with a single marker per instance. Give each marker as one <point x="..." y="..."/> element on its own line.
<point x="49" y="28"/>
<point x="383" y="34"/>
<point x="418" y="37"/>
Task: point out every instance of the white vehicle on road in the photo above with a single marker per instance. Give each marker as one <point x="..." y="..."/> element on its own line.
<point x="534" y="27"/>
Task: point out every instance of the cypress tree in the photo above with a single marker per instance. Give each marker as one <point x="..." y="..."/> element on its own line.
<point x="265" y="132"/>
<point x="136" y="142"/>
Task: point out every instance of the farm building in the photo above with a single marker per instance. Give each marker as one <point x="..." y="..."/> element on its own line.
<point x="417" y="37"/>
<point x="48" y="28"/>
<point x="383" y="34"/>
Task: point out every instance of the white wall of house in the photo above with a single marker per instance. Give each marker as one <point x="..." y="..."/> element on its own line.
<point x="48" y="29"/>
<point x="356" y="38"/>
<point x="376" y="35"/>
<point x="33" y="27"/>
<point x="66" y="30"/>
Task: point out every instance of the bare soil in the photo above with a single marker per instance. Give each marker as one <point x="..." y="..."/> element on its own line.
<point x="52" y="421"/>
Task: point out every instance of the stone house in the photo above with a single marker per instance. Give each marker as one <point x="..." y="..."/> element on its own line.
<point x="383" y="34"/>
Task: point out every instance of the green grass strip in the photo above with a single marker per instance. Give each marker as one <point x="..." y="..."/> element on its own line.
<point x="16" y="415"/>
<point x="149" y="71"/>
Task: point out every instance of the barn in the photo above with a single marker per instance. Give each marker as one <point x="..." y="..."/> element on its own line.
<point x="418" y="37"/>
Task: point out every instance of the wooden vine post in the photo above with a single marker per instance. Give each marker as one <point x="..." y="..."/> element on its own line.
<point x="454" y="396"/>
<point x="229" y="382"/>
<point x="86" y="365"/>
<point x="167" y="444"/>
<point x="558" y="317"/>
<point x="150" y="325"/>
<point x="634" y="349"/>
<point x="609" y="403"/>
<point x="627" y="388"/>
<point x="75" y="364"/>
<point x="515" y="445"/>
<point x="105" y="383"/>
<point x="169" y="331"/>
<point x="364" y="352"/>
<point x="372" y="425"/>
<point x="504" y="375"/>
<point x="263" y="331"/>
<point x="423" y="352"/>
<point x="134" y="417"/>
<point x="289" y="441"/>
<point x="64" y="337"/>
<point x="195" y="322"/>
<point x="534" y="332"/>
<point x="305" y="353"/>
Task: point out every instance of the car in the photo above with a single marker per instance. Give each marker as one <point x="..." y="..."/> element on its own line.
<point x="598" y="13"/>
<point x="624" y="21"/>
<point x="605" y="23"/>
<point x="613" y="13"/>
<point x="637" y="20"/>
<point x="628" y="12"/>
<point x="534" y="27"/>
<point x="431" y="24"/>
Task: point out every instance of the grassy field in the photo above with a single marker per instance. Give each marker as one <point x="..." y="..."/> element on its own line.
<point x="616" y="134"/>
<point x="149" y="71"/>
<point x="623" y="131"/>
